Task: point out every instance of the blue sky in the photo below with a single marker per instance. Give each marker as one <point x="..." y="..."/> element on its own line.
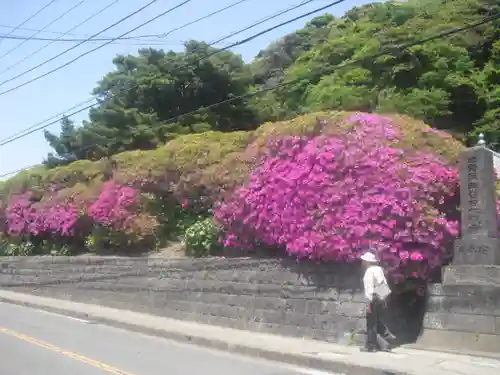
<point x="62" y="90"/>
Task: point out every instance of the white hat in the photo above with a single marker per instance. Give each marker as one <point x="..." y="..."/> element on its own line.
<point x="369" y="257"/>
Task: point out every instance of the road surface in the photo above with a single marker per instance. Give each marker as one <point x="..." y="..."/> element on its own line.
<point x="37" y="342"/>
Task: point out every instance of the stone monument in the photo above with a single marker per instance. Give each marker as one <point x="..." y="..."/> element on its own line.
<point x="476" y="256"/>
<point x="464" y="311"/>
<point x="479" y="243"/>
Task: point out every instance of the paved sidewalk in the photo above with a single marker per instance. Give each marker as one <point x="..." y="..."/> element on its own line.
<point x="302" y="352"/>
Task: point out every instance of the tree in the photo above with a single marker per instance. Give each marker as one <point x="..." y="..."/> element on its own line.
<point x="64" y="145"/>
<point x="451" y="83"/>
<point x="141" y="96"/>
<point x="447" y="82"/>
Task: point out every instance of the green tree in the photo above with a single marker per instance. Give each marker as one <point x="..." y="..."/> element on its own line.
<point x="138" y="99"/>
<point x="451" y="83"/>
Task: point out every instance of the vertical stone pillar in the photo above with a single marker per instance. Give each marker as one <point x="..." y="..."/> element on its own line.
<point x="479" y="243"/>
<point x="463" y="310"/>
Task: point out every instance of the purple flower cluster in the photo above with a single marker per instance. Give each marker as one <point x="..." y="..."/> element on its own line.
<point x="334" y="197"/>
<point x="25" y="216"/>
<point x="114" y="206"/>
<point x="323" y="197"/>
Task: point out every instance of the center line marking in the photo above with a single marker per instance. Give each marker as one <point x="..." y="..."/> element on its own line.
<point x="75" y="356"/>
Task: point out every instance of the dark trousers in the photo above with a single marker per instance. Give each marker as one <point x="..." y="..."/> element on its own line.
<point x="374" y="324"/>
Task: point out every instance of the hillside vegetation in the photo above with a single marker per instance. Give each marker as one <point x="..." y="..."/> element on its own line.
<point x="449" y="83"/>
<point x="139" y="173"/>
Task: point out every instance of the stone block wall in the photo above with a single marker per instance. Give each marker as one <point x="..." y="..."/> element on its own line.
<point x="304" y="299"/>
<point x="278" y="296"/>
<point x="462" y="317"/>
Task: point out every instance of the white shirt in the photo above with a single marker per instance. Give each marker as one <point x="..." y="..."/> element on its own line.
<point x="374" y="282"/>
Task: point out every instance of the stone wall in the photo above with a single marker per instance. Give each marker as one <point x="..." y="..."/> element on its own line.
<point x="277" y="296"/>
<point x="268" y="295"/>
<point x="464" y="311"/>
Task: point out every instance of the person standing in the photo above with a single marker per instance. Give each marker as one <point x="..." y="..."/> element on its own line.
<point x="376" y="291"/>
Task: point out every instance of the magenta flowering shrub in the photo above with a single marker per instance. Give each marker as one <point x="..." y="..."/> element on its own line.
<point x="24" y="216"/>
<point x="115" y="205"/>
<point x="334" y="197"/>
<point x="59" y="219"/>
<point x="120" y="220"/>
<point x="113" y="219"/>
<point x="18" y="215"/>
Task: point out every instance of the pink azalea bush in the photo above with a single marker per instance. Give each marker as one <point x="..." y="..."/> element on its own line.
<point x="24" y="216"/>
<point x="114" y="206"/>
<point x="116" y="211"/>
<point x="334" y="197"/>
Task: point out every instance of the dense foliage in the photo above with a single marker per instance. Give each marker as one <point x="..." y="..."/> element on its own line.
<point x="147" y="90"/>
<point x="450" y="83"/>
<point x="322" y="185"/>
<point x="334" y="197"/>
<point x="142" y="199"/>
<point x="202" y="238"/>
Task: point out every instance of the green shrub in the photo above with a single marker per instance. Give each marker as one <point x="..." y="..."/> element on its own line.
<point x="201" y="238"/>
<point x="180" y="181"/>
<point x="48" y="247"/>
<point x="182" y="156"/>
<point x="40" y="179"/>
<point x="24" y="248"/>
<point x="4" y="247"/>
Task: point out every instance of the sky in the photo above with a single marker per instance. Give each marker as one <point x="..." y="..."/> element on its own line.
<point x="59" y="91"/>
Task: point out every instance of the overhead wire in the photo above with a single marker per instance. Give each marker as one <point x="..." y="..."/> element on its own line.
<point x="114" y="39"/>
<point x="392" y="50"/>
<point x="78" y="37"/>
<point x="40" y="123"/>
<point x="274" y="15"/>
<point x="386" y="51"/>
<point x="270" y="17"/>
<point x="220" y="10"/>
<point x="87" y="52"/>
<point x="105" y="39"/>
<point x="93" y="15"/>
<point x="202" y="18"/>
<point x="18" y="27"/>
<point x="141" y="38"/>
<point x="213" y="43"/>
<point x="62" y="15"/>
<point x="82" y="36"/>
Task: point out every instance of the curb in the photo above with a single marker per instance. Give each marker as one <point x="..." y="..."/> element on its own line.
<point x="337" y="367"/>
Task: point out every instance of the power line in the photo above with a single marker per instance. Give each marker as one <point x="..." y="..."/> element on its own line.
<point x="272" y="16"/>
<point x="57" y="118"/>
<point x="18" y="27"/>
<point x="43" y="28"/>
<point x="40" y="126"/>
<point x="130" y="31"/>
<point x="394" y="50"/>
<point x="75" y="40"/>
<point x="105" y="39"/>
<point x="81" y="36"/>
<point x="160" y="36"/>
<point x="202" y="18"/>
<point x="88" y="52"/>
<point x="250" y="38"/>
<point x="62" y="32"/>
<point x="93" y="15"/>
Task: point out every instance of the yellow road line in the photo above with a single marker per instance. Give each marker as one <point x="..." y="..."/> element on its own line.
<point x="77" y="357"/>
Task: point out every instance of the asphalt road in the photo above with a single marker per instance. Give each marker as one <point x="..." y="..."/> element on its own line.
<point x="34" y="342"/>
